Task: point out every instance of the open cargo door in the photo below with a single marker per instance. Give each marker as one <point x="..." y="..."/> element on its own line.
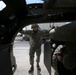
<point x="47" y="56"/>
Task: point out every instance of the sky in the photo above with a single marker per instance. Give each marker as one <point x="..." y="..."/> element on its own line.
<point x="46" y="25"/>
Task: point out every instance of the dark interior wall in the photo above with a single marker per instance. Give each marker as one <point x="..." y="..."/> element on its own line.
<point x="5" y="63"/>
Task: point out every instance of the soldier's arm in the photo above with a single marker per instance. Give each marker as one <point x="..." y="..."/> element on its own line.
<point x="45" y="32"/>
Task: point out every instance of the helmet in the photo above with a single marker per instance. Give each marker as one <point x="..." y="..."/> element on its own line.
<point x="34" y="25"/>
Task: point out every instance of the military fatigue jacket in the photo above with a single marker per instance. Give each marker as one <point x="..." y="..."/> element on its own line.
<point x="35" y="38"/>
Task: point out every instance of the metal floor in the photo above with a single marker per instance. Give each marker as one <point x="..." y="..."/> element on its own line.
<point x="21" y="52"/>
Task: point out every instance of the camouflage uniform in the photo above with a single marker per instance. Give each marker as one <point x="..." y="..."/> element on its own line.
<point x="35" y="43"/>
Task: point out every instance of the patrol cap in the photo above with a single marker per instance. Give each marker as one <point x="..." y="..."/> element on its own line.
<point x="34" y="25"/>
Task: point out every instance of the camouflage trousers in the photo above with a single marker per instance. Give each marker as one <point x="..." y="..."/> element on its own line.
<point x="32" y="53"/>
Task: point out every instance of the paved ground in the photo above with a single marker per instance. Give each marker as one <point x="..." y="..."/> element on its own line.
<point x="21" y="52"/>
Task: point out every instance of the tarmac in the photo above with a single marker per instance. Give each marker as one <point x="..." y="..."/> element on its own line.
<point x="21" y="53"/>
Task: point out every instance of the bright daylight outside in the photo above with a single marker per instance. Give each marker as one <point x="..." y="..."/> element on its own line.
<point x="21" y="51"/>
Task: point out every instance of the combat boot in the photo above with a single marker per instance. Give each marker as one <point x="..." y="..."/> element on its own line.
<point x="38" y="67"/>
<point x="31" y="69"/>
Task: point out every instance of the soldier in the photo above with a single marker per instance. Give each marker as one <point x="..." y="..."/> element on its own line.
<point x="35" y="44"/>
